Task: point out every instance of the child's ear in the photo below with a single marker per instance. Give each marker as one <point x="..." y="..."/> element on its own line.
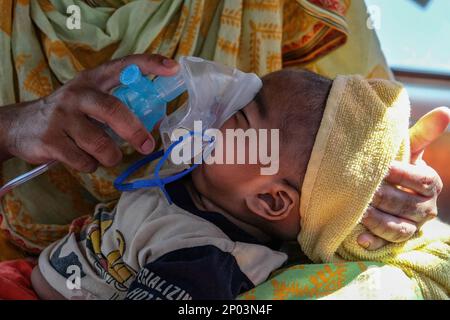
<point x="274" y="203"/>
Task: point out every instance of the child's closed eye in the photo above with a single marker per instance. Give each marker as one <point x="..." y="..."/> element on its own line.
<point x="242" y="117"/>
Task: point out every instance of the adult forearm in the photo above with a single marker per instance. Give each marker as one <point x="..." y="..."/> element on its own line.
<point x="8" y="115"/>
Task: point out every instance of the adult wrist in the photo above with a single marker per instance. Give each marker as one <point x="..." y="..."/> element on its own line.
<point x="9" y="116"/>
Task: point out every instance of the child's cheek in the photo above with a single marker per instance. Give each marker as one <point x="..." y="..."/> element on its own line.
<point x="219" y="176"/>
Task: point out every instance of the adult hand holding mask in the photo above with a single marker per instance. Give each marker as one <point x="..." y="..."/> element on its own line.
<point x="60" y="127"/>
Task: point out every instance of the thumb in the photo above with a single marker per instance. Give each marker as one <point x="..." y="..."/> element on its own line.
<point x="427" y="129"/>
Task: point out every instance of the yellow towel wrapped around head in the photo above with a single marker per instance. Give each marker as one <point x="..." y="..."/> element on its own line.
<point x="364" y="128"/>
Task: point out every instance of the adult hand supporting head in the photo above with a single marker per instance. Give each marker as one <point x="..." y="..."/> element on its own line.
<point x="408" y="196"/>
<point x="60" y="127"/>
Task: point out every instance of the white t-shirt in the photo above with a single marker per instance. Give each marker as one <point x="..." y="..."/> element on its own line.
<point x="146" y="248"/>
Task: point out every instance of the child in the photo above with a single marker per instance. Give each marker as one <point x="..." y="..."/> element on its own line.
<point x="222" y="235"/>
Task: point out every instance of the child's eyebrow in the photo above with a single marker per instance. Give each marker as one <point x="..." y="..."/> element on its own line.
<point x="261" y="104"/>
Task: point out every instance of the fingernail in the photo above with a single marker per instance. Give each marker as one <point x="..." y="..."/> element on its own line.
<point x="147" y="146"/>
<point x="169" y="63"/>
<point x="364" y="244"/>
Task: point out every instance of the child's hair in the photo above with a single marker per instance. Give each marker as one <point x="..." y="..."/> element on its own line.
<point x="301" y="97"/>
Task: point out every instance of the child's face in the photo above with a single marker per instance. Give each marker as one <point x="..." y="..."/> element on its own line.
<point x="240" y="189"/>
<point x="225" y="183"/>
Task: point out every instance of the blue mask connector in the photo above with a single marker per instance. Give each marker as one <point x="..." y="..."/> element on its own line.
<point x="148" y="99"/>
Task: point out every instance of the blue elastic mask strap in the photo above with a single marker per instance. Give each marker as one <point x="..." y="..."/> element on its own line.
<point x="156" y="181"/>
